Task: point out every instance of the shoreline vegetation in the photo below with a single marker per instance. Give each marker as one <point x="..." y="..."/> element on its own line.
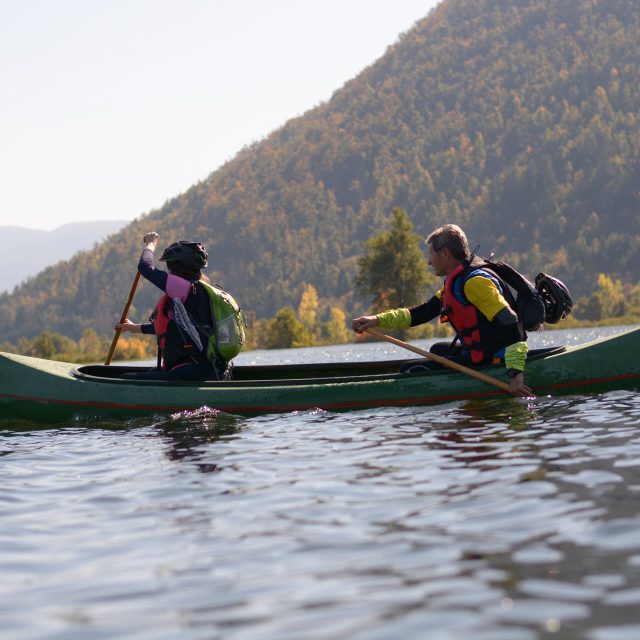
<point x="392" y="273"/>
<point x="302" y="328"/>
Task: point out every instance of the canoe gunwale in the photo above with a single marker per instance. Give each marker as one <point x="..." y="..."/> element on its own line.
<point x="231" y="384"/>
<point x="390" y="367"/>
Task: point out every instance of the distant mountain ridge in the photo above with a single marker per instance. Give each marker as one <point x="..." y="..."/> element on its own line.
<point x="26" y="252"/>
<point x="517" y="120"/>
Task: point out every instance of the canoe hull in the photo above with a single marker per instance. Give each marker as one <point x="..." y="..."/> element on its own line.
<point x="47" y="391"/>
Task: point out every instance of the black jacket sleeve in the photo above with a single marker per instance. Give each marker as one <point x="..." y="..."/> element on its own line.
<point x="158" y="277"/>
<point x="426" y="311"/>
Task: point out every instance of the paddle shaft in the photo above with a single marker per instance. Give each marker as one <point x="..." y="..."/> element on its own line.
<point x="443" y="361"/>
<point x="123" y="317"/>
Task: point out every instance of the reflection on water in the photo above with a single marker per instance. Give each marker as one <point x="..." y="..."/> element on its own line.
<point x="188" y="432"/>
<point x="494" y="520"/>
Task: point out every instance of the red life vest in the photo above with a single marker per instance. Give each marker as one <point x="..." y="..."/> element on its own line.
<point x="463" y="317"/>
<point x="175" y="347"/>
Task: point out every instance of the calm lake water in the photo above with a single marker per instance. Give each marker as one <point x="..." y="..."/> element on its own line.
<point x="492" y="520"/>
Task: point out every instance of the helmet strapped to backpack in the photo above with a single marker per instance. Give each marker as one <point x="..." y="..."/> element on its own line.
<point x="556" y="296"/>
<point x="191" y="255"/>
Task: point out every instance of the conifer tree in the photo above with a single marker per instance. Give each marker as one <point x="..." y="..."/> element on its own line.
<point x="393" y="268"/>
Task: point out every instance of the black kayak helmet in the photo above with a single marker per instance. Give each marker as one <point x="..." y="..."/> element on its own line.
<point x="191" y="255"/>
<point x="556" y="296"/>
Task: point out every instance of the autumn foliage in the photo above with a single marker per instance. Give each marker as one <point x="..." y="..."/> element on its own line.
<point x="516" y="120"/>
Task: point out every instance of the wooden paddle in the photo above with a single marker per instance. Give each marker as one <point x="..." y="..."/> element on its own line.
<point x="123" y="317"/>
<point x="443" y="361"/>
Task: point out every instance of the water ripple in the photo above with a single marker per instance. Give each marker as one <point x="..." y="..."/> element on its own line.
<point x="496" y="520"/>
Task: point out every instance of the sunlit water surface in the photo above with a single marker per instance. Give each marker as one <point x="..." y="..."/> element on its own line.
<point x="492" y="520"/>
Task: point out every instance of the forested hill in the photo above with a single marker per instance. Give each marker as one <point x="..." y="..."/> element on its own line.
<point x="517" y="120"/>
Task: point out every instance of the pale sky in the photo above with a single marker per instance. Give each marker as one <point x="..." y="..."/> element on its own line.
<point x="111" y="107"/>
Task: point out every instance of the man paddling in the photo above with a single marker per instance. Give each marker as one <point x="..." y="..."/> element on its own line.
<point x="473" y="301"/>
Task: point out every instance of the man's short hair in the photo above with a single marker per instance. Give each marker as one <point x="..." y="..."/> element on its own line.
<point x="452" y="237"/>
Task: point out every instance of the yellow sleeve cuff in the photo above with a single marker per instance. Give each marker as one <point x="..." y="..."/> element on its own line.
<point x="394" y="319"/>
<point x="515" y="355"/>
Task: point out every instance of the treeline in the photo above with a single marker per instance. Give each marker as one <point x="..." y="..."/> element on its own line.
<point x="89" y="348"/>
<point x="610" y="303"/>
<point x="304" y="326"/>
<point x="517" y="121"/>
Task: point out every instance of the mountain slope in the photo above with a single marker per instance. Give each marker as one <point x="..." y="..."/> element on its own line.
<point x="516" y="120"/>
<point x="26" y="252"/>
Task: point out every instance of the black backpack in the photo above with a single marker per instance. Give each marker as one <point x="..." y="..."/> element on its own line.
<point x="529" y="303"/>
<point x="548" y="300"/>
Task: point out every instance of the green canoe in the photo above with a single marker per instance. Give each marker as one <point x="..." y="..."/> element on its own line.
<point x="48" y="391"/>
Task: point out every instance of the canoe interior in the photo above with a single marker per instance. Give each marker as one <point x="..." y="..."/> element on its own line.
<point x="304" y="373"/>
